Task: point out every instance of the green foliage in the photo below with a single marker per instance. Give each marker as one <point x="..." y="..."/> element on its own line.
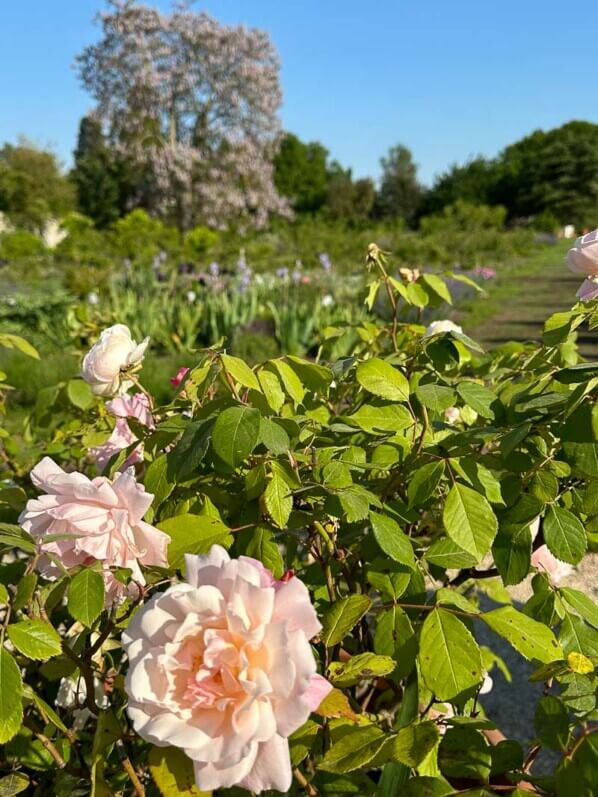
<point x="342" y="472"/>
<point x="32" y="187"/>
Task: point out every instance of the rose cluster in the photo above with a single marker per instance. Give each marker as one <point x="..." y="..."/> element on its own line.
<point x="221" y="665"/>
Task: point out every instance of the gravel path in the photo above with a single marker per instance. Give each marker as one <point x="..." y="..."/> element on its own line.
<point x="511" y="705"/>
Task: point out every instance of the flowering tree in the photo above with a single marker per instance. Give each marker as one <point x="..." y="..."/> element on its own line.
<point x="192" y="105"/>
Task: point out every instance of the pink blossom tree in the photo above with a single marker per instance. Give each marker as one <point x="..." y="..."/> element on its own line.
<point x="193" y="107"/>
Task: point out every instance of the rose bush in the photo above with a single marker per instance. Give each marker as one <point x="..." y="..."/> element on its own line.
<point x="296" y="526"/>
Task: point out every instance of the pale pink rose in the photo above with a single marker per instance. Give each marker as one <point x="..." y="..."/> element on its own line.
<point x="588" y="289"/>
<point x="583" y="256"/>
<point x="136" y="406"/>
<point x="176" y="380"/>
<point x="98" y="520"/>
<point x="109" y="364"/>
<point x="221" y="666"/>
<point x="544" y="561"/>
<point x="124" y="407"/>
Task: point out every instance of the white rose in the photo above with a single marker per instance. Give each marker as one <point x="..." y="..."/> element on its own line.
<point x="109" y="362"/>
<point x="440" y="327"/>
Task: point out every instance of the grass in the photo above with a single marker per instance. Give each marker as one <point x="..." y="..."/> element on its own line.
<point x="522" y="297"/>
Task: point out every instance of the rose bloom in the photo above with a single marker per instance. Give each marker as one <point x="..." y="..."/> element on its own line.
<point x="124" y="407"/>
<point x="583" y="256"/>
<point x="108" y="363"/>
<point x="221" y="666"/>
<point x="441" y="327"/>
<point x="98" y="520"/>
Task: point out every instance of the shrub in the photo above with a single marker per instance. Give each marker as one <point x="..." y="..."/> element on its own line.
<point x="402" y="485"/>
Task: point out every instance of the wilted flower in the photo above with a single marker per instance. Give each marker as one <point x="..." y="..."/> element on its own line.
<point x="441" y="327"/>
<point x="409" y="274"/>
<point x="97" y="520"/>
<point x="176" y="380"/>
<point x="221" y="666"/>
<point x="110" y="362"/>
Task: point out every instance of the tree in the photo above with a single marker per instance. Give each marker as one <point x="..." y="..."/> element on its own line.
<point x="300" y="173"/>
<point x="554" y="171"/>
<point x="400" y="192"/>
<point x="193" y="105"/>
<point x="473" y="182"/>
<point x="346" y="199"/>
<point x="32" y="186"/>
<point x="96" y="174"/>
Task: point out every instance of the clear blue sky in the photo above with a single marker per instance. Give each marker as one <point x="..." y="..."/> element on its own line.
<point x="449" y="78"/>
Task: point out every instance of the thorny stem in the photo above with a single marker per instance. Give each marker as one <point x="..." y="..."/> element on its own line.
<point x="52" y="750"/>
<point x="130" y="769"/>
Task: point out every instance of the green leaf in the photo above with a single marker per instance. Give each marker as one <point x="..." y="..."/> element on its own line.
<point x="17" y="342"/>
<point x="354" y="750"/>
<point x="316" y="378"/>
<point x="11" y="694"/>
<point x="79" y="394"/>
<point x="395" y="637"/>
<point x="388" y="418"/>
<point x="13" y="784"/>
<point x="271" y="389"/>
<point x="273" y="436"/>
<point x="291" y="382"/>
<point x="302" y="741"/>
<point x="565" y="535"/>
<point x="582" y="604"/>
<point x="262" y="546"/>
<point x="413" y="743"/>
<point x="580" y="450"/>
<point x="552" y="723"/>
<point x="236" y="434"/>
<point x="512" y="551"/>
<point x="357" y="668"/>
<point x="193" y="534"/>
<point x="447" y="554"/>
<point x="582" y="372"/>
<point x="380" y="378"/>
<point x="343" y="616"/>
<point x="464" y="753"/>
<point x="478" y="398"/>
<point x="449" y="656"/>
<point x="435" y="397"/>
<point x="278" y="499"/>
<point x="240" y="371"/>
<point x="423" y="482"/>
<point x="189" y="452"/>
<point x="158" y="481"/>
<point x="530" y="638"/>
<point x="16" y="537"/>
<point x="25" y="589"/>
<point x="577" y="776"/>
<point x="35" y="639"/>
<point x="469" y="520"/>
<point x="439" y="286"/>
<point x="86" y="596"/>
<point x="172" y="772"/>
<point x="391" y="539"/>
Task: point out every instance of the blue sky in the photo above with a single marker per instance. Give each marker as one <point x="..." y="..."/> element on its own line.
<point x="448" y="78"/>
